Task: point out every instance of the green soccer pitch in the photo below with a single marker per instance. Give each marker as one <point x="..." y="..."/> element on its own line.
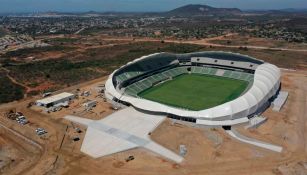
<point x="195" y="92"/>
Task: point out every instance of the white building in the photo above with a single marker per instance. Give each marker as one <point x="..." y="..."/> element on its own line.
<point x="55" y="99"/>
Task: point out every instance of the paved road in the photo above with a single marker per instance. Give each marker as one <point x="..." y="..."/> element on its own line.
<point x="235" y="134"/>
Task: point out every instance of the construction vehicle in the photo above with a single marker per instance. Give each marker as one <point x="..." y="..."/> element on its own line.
<point x="40" y="131"/>
<point x="129" y="158"/>
<point x="22" y="120"/>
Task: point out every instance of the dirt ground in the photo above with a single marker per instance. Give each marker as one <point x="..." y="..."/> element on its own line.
<point x="14" y="155"/>
<point x="242" y="40"/>
<point x="209" y="151"/>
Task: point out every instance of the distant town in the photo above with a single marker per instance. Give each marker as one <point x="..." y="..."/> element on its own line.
<point x="277" y="25"/>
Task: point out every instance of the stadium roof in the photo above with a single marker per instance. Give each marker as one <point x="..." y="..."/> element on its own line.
<point x="266" y="83"/>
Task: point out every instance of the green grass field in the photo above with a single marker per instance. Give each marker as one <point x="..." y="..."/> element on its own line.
<point x="195" y="92"/>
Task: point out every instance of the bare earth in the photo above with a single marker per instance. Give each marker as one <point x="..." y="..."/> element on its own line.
<point x="210" y="151"/>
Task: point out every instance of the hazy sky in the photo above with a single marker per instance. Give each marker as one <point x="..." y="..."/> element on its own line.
<point x="138" y="5"/>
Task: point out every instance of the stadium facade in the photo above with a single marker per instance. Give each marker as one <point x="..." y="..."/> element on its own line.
<point x="126" y="83"/>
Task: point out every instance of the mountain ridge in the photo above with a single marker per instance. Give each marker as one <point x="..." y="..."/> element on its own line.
<point x="198" y="9"/>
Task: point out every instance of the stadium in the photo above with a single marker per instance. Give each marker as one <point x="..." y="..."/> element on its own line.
<point x="207" y="88"/>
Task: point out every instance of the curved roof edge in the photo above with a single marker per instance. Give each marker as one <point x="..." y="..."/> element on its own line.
<point x="266" y="84"/>
<point x="245" y="57"/>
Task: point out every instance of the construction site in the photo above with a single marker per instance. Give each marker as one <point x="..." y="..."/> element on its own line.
<point x="146" y="88"/>
<point x="39" y="141"/>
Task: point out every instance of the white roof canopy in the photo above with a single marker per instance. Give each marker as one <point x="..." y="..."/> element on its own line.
<point x="266" y="83"/>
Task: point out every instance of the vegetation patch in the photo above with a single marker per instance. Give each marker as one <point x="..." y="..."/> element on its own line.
<point x="96" y="62"/>
<point x="91" y="30"/>
<point x="36" y="50"/>
<point x="8" y="90"/>
<point x="56" y="41"/>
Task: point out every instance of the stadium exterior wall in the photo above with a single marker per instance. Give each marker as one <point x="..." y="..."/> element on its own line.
<point x="265" y="85"/>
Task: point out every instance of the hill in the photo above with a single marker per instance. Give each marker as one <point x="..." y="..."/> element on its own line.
<point x="196" y="9"/>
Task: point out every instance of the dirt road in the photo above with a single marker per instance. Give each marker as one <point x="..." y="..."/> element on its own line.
<point x="205" y="42"/>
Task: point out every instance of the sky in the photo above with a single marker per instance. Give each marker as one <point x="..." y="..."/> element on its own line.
<point x="12" y="6"/>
